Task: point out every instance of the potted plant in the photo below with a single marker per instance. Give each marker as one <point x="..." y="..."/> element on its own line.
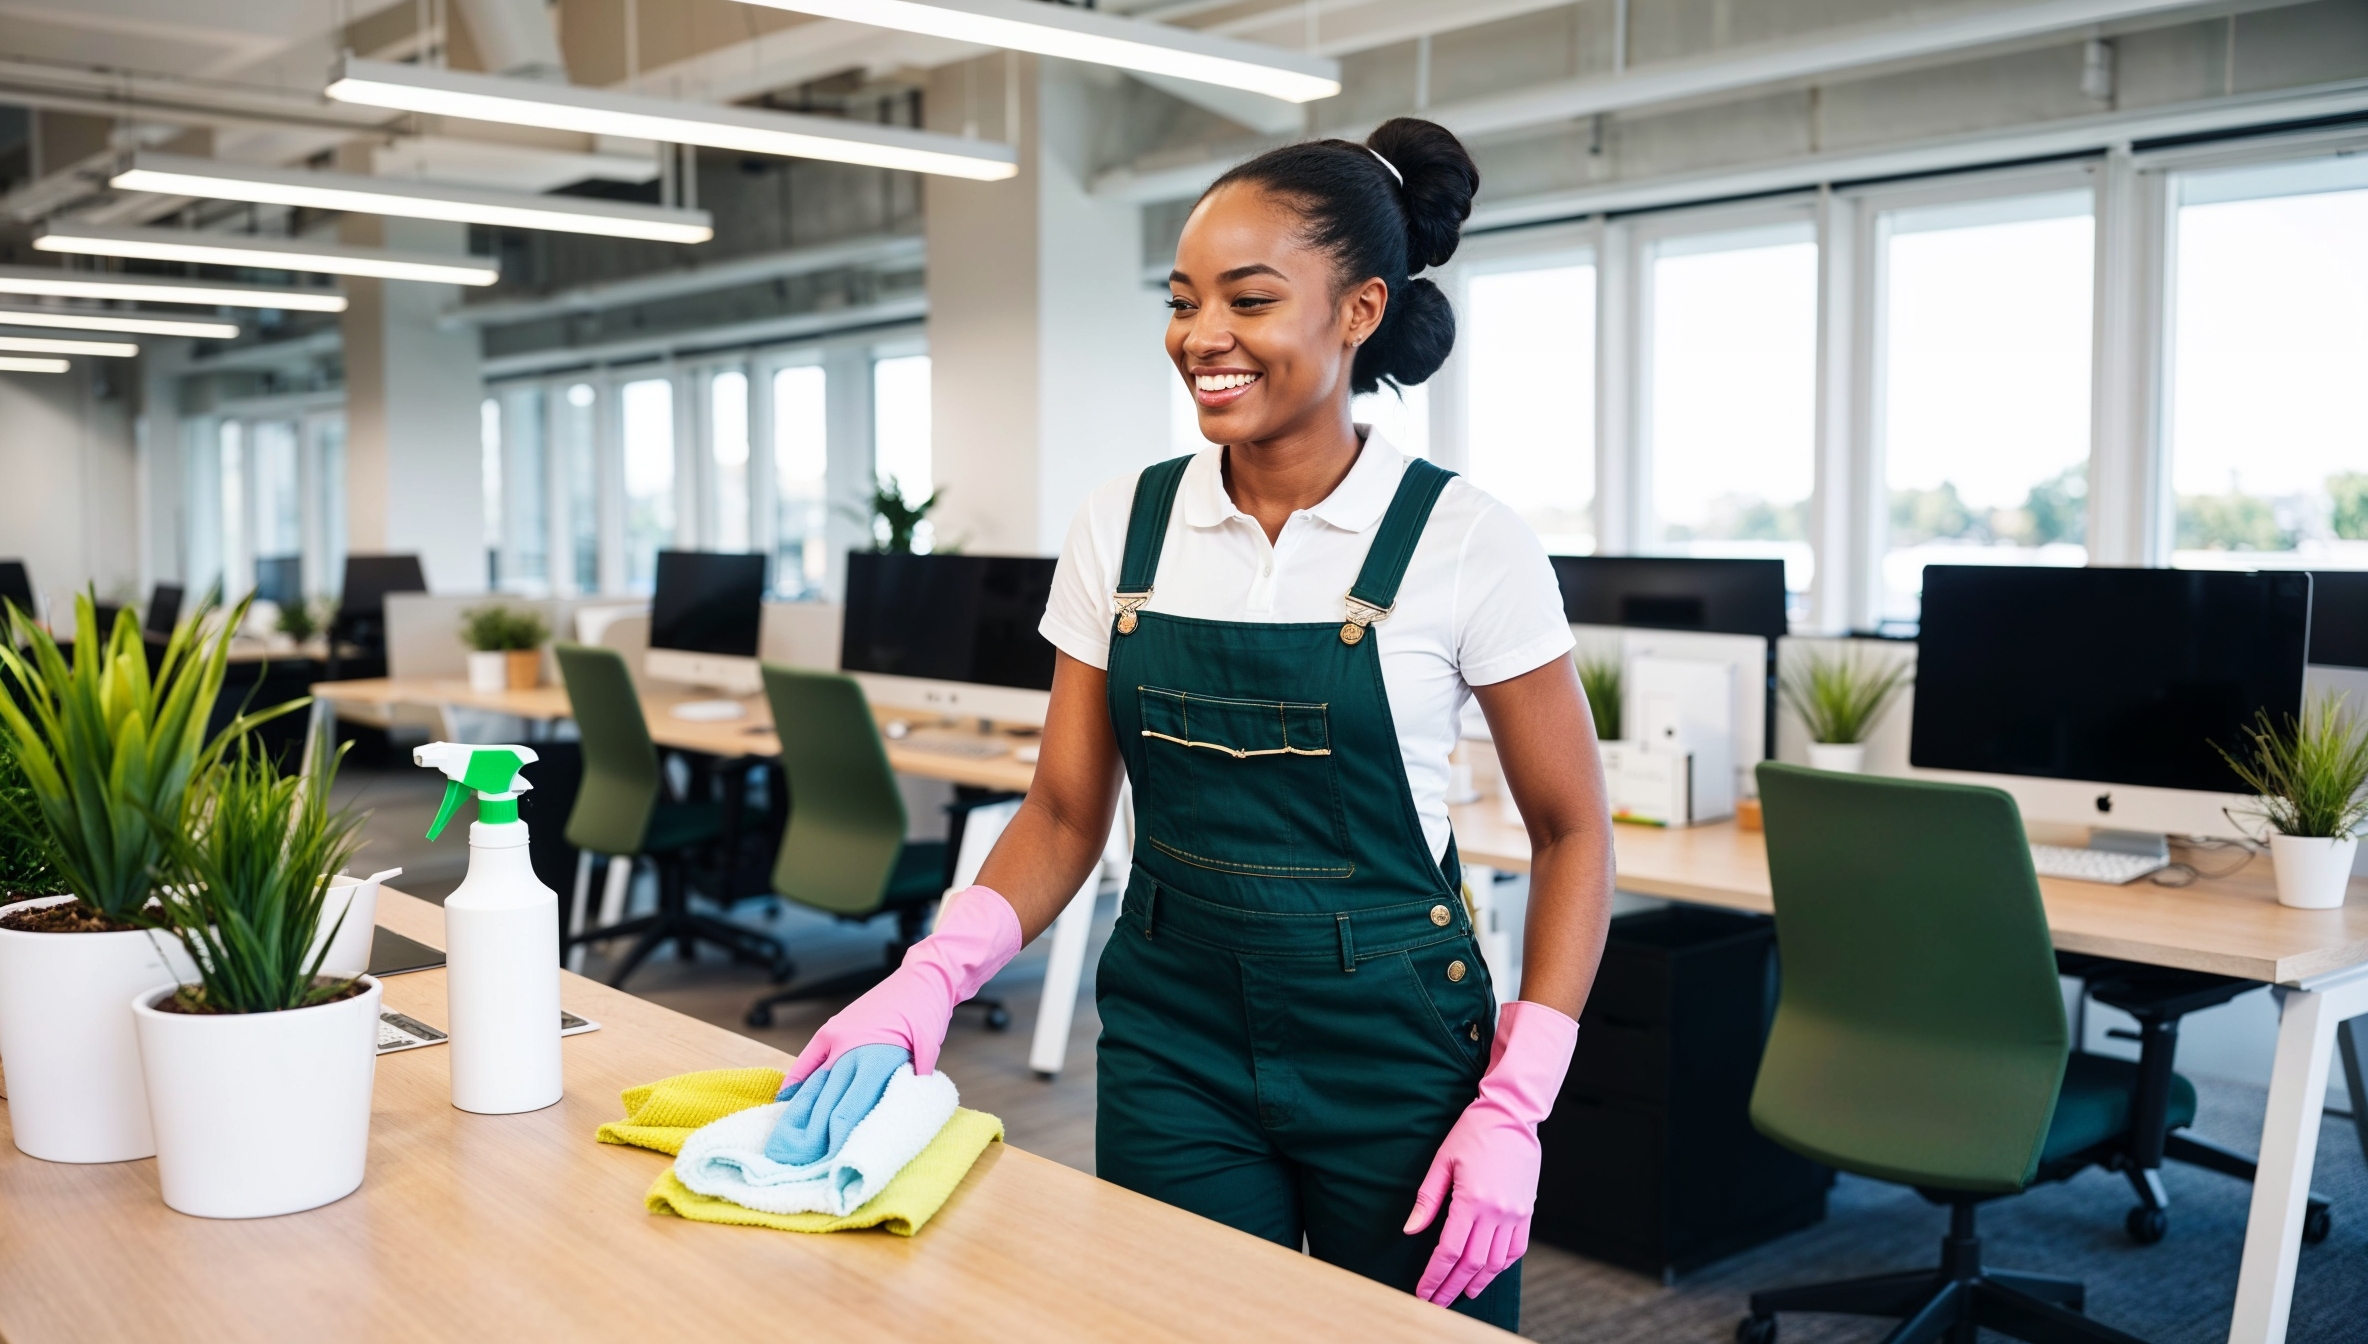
<point x="1601" y="677"/>
<point x="105" y="748"/>
<point x="2311" y="776"/>
<point x="303" y="621"/>
<point x="506" y="644"/>
<point x="1840" y="698"/>
<point x="258" y="1071"/>
<point x="25" y="867"/>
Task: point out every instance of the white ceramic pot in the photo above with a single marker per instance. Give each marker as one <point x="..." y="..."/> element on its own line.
<point x="2313" y="870"/>
<point x="74" y="1087"/>
<point x="489" y="673"/>
<point x="259" y="1114"/>
<point x="1847" y="758"/>
<point x="356" y="898"/>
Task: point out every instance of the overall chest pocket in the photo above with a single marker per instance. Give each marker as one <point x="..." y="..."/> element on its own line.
<point x="1242" y="786"/>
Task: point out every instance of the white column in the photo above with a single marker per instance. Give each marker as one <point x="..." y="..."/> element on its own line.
<point x="1619" y="388"/>
<point x="2128" y="494"/>
<point x="1845" y="511"/>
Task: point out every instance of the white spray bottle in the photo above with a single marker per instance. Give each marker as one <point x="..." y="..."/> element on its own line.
<point x="501" y="941"/>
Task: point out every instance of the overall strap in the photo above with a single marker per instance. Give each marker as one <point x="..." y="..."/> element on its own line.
<point x="1376" y="589"/>
<point x="1146" y="536"/>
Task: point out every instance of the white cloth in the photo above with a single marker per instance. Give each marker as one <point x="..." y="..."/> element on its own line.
<point x="726" y="1158"/>
<point x="1479" y="603"/>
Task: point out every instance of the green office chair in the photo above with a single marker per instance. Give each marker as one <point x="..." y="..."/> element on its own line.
<point x="844" y="851"/>
<point x="1920" y="1038"/>
<point x="622" y="810"/>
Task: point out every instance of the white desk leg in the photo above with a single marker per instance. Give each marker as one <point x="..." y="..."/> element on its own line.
<point x="981" y="827"/>
<point x="1493" y="930"/>
<point x="2355" y="1072"/>
<point x="620" y="886"/>
<point x="2307" y="1017"/>
<point x="1063" y="968"/>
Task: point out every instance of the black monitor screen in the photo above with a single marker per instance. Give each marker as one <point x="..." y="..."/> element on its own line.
<point x="16" y="586"/>
<point x="2339" y="618"/>
<point x="164" y="609"/>
<point x="1724" y="597"/>
<point x="969" y="618"/>
<point x="369" y="578"/>
<point x="708" y="603"/>
<point x="2121" y="676"/>
<point x="280" y="579"/>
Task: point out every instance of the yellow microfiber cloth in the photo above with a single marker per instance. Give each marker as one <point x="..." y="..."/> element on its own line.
<point x="660" y="1115"/>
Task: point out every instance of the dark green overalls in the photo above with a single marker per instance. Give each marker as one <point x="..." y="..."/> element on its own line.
<point x="1294" y="1010"/>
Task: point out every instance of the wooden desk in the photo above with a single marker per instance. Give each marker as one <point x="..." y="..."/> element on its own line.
<point x="522" y="1228"/>
<point x="2318" y="959"/>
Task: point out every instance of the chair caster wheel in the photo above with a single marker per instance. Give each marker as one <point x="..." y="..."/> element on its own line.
<point x="1756" y="1330"/>
<point x="999" y="1019"/>
<point x="2317" y="1225"/>
<point x="784" y="971"/>
<point x="760" y="1016"/>
<point x="2147" y="1226"/>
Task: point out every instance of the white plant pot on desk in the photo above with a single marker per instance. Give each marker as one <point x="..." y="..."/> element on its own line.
<point x="2313" y="870"/>
<point x="356" y="900"/>
<point x="489" y="673"/>
<point x="260" y="1114"/>
<point x="74" y="1087"/>
<point x="1848" y="758"/>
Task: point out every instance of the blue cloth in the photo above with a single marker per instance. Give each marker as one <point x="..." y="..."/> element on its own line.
<point x="825" y="1108"/>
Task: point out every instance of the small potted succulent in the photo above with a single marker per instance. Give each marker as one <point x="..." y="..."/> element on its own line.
<point x="1840" y="698"/>
<point x="2311" y="778"/>
<point x="506" y="647"/>
<point x="105" y="748"/>
<point x="259" y="1069"/>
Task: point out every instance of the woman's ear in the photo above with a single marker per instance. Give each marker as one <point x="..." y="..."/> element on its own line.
<point x="1362" y="308"/>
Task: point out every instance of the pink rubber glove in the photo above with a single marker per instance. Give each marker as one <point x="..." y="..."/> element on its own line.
<point x="1491" y="1156"/>
<point x="976" y="934"/>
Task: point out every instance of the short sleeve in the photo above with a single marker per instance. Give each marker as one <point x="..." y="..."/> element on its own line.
<point x="1077" y="615"/>
<point x="1509" y="617"/>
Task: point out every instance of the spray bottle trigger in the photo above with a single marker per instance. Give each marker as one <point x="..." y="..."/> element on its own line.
<point x="454" y="791"/>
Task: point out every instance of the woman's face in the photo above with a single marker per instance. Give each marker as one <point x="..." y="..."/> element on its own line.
<point x="1263" y="332"/>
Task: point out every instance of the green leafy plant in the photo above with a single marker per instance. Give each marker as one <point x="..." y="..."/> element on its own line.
<point x="106" y="747"/>
<point x="498" y="627"/>
<point x="894" y="518"/>
<point x="300" y="621"/>
<point x="1839" y="696"/>
<point x="1602" y="678"/>
<point x="245" y="892"/>
<point x="2311" y="774"/>
<point x="25" y="868"/>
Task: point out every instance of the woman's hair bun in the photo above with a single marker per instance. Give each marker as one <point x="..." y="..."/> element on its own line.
<point x="1441" y="180"/>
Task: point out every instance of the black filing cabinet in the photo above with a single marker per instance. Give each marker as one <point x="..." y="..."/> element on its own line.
<point x="1650" y="1160"/>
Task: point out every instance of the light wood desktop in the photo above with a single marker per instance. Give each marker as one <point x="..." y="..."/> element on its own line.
<point x="522" y="1228"/>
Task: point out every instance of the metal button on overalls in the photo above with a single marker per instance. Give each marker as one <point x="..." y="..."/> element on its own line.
<point x="1294" y="1011"/>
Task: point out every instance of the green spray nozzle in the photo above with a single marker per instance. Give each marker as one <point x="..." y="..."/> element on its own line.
<point x="489" y="773"/>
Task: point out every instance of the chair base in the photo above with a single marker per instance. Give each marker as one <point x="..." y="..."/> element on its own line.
<point x="1947" y="1304"/>
<point x="908" y="931"/>
<point x="2149" y="1221"/>
<point x="686" y="928"/>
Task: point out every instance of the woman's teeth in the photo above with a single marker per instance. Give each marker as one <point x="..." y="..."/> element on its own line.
<point x="1220" y="382"/>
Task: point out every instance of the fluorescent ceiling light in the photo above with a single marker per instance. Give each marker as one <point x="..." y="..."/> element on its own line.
<point x="45" y="345"/>
<point x="179" y="175"/>
<point x="274" y="254"/>
<point x="65" y="284"/>
<point x="521" y="102"/>
<point x="1103" y="39"/>
<point x="63" y="319"/>
<point x="8" y="365"/>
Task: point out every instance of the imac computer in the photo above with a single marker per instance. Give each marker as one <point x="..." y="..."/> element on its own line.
<point x="950" y="635"/>
<point x="2098" y="697"/>
<point x="164" y="611"/>
<point x="2339" y="619"/>
<point x="361" y="604"/>
<point x="706" y="617"/>
<point x="279" y="580"/>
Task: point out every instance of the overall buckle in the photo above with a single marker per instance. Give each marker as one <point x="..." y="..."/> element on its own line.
<point x="1127" y="605"/>
<point x="1360" y="615"/>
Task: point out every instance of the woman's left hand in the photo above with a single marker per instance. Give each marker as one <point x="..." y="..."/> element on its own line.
<point x="1489" y="1160"/>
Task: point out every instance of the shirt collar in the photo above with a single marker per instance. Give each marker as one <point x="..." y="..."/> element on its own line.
<point x="1355" y="504"/>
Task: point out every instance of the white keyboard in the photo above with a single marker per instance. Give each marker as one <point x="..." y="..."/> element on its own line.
<point x="969" y="746"/>
<point x="709" y="711"/>
<point x="2092" y="865"/>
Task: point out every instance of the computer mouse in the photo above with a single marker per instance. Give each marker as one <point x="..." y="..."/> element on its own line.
<point x="895" y="729"/>
<point x="1024" y="755"/>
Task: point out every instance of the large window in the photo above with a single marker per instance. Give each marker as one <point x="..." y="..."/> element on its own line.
<point x="645" y="412"/>
<point x="801" y="464"/>
<point x="1529" y="397"/>
<point x="2269" y="460"/>
<point x="575" y="442"/>
<point x="1733" y="396"/>
<point x="900" y="425"/>
<point x="518" y="491"/>
<point x="265" y="502"/>
<point x="727" y="443"/>
<point x="1402" y="416"/>
<point x="1984" y="368"/>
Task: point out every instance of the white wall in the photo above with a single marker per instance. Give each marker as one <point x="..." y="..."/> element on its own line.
<point x="69" y="498"/>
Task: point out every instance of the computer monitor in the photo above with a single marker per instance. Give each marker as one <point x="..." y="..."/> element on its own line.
<point x="2096" y="696"/>
<point x="2339" y="619"/>
<point x="361" y="604"/>
<point x="1689" y="596"/>
<point x="279" y="579"/>
<point x="16" y="585"/>
<point x="164" y="610"/>
<point x="706" y="616"/>
<point x="954" y="635"/>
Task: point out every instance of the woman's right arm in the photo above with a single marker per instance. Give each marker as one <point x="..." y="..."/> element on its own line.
<point x="1045" y="853"/>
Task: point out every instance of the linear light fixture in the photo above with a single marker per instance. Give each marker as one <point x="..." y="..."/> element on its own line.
<point x="65" y="284"/>
<point x="8" y="365"/>
<point x="181" y="175"/>
<point x="520" y="102"/>
<point x="271" y="254"/>
<point x="1103" y="39"/>
<point x="64" y="319"/>
<point x="47" y="345"/>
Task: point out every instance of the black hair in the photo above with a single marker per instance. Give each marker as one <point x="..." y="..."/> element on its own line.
<point x="1374" y="225"/>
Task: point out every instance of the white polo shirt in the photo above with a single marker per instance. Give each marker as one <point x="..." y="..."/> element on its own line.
<point x="1479" y="603"/>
